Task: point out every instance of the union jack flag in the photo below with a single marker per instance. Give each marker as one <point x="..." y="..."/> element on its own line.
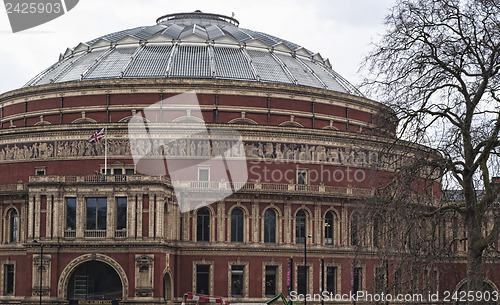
<point x="96" y="136"/>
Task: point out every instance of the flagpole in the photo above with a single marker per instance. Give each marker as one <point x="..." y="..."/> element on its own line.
<point x="105" y="152"/>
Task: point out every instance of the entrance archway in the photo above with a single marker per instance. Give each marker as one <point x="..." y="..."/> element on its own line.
<point x="68" y="272"/>
<point x="94" y="280"/>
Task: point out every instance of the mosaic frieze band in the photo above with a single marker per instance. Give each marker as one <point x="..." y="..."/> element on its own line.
<point x="192" y="148"/>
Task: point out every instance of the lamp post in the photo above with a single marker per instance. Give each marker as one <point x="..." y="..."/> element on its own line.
<point x="305" y="265"/>
<point x="41" y="268"/>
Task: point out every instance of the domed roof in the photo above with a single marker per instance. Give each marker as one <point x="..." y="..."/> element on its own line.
<point x="194" y="45"/>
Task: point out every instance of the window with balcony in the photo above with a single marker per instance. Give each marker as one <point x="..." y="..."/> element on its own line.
<point x="301" y="176"/>
<point x="70" y="217"/>
<point x="96" y="217"/>
<point x="203" y="225"/>
<point x="121" y="217"/>
<point x="270" y="226"/>
<point x="203" y="174"/>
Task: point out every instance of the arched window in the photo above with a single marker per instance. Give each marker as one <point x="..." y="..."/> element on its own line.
<point x="203" y="225"/>
<point x="237" y="225"/>
<point x="329" y="228"/>
<point x="270" y="226"/>
<point x="13" y="226"/>
<point x="354" y="229"/>
<point x="300" y="227"/>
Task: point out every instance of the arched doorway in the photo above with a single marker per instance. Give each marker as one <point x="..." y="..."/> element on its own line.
<point x="167" y="287"/>
<point x="94" y="280"/>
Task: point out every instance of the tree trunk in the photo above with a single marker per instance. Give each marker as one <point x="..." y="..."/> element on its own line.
<point x="475" y="266"/>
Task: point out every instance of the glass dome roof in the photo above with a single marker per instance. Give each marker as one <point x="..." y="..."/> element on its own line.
<point x="194" y="45"/>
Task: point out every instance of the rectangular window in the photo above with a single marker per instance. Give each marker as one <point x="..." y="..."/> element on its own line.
<point x="108" y="171"/>
<point x="270" y="280"/>
<point x="129" y="171"/>
<point x="96" y="213"/>
<point x="203" y="174"/>
<point x="70" y="213"/>
<point x="357" y="282"/>
<point x="8" y="288"/>
<point x="203" y="279"/>
<point x="117" y="171"/>
<point x="40" y="171"/>
<point x="301" y="176"/>
<point x="331" y="279"/>
<point x="121" y="213"/>
<point x="237" y="280"/>
<point x="302" y="279"/>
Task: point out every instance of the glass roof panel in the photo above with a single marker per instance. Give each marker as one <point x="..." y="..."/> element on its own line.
<point x="191" y="61"/>
<point x="114" y="37"/>
<point x="267" y="68"/>
<point x="112" y="65"/>
<point x="149" y="31"/>
<point x="232" y="63"/>
<point x="327" y="78"/>
<point x="174" y="31"/>
<point x="152" y="61"/>
<point x="301" y="73"/>
<point x="53" y="72"/>
<point x="214" y="32"/>
<point x="264" y="38"/>
<point x="237" y="33"/>
<point x="81" y="66"/>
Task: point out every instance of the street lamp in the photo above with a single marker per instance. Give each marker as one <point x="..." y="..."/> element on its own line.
<point x="41" y="268"/>
<point x="305" y="265"/>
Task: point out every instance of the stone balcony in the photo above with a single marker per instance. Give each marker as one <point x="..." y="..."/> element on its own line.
<point x="202" y="186"/>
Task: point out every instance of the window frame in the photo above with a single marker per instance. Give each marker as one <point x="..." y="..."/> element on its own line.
<point x="331" y="227"/>
<point x="97" y="225"/>
<point x="13" y="234"/>
<point x="246" y="279"/>
<point x="236" y="225"/>
<point x="300" y="239"/>
<point x="206" y="231"/>
<point x="267" y="230"/>
<point x="66" y="228"/>
<point x="117" y="210"/>
<point x="5" y="280"/>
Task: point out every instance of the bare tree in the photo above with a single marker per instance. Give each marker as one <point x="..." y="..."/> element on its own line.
<point x="438" y="67"/>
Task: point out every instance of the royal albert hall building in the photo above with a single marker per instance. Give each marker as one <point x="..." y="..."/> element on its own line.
<point x="74" y="227"/>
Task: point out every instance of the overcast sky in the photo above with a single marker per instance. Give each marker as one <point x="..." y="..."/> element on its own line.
<point x="340" y="30"/>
